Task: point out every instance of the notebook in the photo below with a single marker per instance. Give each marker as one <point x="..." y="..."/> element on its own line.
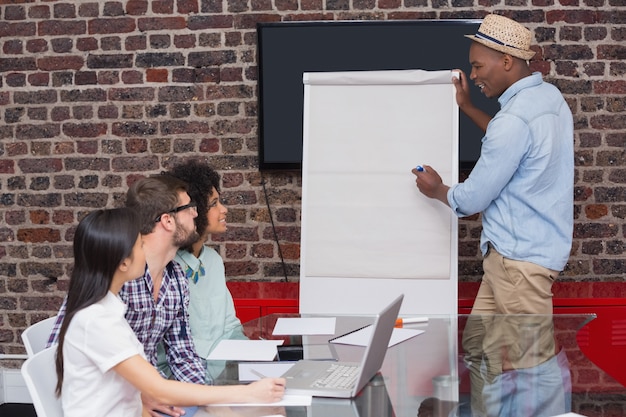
<point x="311" y="377"/>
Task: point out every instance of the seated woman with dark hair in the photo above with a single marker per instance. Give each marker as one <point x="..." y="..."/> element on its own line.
<point x="101" y="366"/>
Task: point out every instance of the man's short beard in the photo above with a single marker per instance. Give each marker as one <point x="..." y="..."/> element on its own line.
<point x="183" y="239"/>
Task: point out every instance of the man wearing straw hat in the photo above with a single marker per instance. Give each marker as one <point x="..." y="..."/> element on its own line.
<point x="522" y="185"/>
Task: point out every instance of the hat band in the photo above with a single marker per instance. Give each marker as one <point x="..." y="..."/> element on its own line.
<point x="494" y="40"/>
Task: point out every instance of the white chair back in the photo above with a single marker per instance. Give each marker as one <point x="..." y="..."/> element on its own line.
<point x="39" y="374"/>
<point x="36" y="336"/>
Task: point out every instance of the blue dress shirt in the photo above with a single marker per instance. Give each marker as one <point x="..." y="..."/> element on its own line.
<point x="523" y="182"/>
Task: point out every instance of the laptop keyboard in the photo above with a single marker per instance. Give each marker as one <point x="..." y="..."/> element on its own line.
<point x="338" y="376"/>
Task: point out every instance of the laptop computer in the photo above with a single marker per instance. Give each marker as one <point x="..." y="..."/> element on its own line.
<point x="338" y="379"/>
<point x="372" y="401"/>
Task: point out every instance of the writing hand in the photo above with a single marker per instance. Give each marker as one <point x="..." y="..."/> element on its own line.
<point x="430" y="183"/>
<point x="267" y="390"/>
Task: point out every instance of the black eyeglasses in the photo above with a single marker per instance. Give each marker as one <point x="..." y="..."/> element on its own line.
<point x="177" y="209"/>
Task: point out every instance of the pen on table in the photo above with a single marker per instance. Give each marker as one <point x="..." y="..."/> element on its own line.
<point x="410" y="320"/>
<point x="419" y="168"/>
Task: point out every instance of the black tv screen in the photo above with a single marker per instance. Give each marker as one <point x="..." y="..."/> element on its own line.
<point x="288" y="49"/>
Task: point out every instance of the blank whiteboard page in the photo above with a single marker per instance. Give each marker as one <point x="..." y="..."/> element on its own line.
<point x="363" y="218"/>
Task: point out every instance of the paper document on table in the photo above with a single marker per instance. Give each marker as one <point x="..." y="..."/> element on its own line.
<point x="250" y="371"/>
<point x="288" y="400"/>
<point x="570" y="415"/>
<point x="362" y="336"/>
<point x="245" y="350"/>
<point x="304" y="325"/>
<point x="218" y="411"/>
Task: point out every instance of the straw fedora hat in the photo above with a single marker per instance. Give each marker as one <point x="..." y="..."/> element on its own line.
<point x="504" y="35"/>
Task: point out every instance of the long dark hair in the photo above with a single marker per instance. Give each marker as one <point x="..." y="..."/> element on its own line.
<point x="103" y="239"/>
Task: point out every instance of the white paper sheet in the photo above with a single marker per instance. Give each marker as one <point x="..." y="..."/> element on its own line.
<point x="362" y="336"/>
<point x="236" y="411"/>
<point x="245" y="350"/>
<point x="412" y="112"/>
<point x="288" y="400"/>
<point x="304" y="325"/>
<point x="570" y="415"/>
<point x="409" y="118"/>
<point x="254" y="371"/>
<point x="220" y="411"/>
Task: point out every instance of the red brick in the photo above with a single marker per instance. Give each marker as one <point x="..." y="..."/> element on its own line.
<point x="596" y="211"/>
<point x="162" y="23"/>
<point x="609" y="87"/>
<point x="7" y="166"/>
<point x="163" y="6"/>
<point x="210" y="145"/>
<point x="112" y="26"/>
<point x="61" y="27"/>
<point x="243" y="268"/>
<point x="39" y="217"/>
<point x="157" y="75"/>
<point x="136" y="146"/>
<point x="63" y="148"/>
<point x="187" y="6"/>
<point x="184" y="41"/>
<point x="291" y="251"/>
<point x="57" y="63"/>
<point x="262" y="250"/>
<point x="38" y="235"/>
<point x="84" y="130"/>
<point x="136" y="7"/>
<point x="39" y="12"/>
<point x="235" y="251"/>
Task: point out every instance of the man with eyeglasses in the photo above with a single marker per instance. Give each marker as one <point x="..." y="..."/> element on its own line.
<point x="158" y="302"/>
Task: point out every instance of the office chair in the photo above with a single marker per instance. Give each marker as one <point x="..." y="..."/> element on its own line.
<point x="36" y="336"/>
<point x="39" y="374"/>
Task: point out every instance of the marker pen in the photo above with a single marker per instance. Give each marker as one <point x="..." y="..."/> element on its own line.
<point x="410" y="320"/>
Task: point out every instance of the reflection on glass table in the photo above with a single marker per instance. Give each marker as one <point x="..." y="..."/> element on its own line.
<point x="480" y="366"/>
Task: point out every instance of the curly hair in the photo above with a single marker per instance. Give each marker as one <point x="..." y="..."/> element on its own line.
<point x="201" y="180"/>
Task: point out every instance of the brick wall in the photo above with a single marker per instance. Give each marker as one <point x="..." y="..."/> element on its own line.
<point x="96" y="94"/>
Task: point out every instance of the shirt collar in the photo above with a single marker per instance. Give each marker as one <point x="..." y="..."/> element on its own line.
<point x="188" y="258"/>
<point x="531" y="81"/>
<point x="190" y="264"/>
<point x="114" y="302"/>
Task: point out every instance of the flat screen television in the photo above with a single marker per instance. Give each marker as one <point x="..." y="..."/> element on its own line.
<point x="288" y="49"/>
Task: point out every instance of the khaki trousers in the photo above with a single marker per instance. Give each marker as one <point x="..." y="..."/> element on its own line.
<point x="511" y="325"/>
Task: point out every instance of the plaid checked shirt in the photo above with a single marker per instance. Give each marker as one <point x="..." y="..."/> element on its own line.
<point x="165" y="320"/>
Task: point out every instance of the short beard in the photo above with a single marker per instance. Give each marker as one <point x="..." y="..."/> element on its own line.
<point x="182" y="239"/>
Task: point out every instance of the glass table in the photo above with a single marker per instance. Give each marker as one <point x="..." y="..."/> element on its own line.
<point x="461" y="365"/>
